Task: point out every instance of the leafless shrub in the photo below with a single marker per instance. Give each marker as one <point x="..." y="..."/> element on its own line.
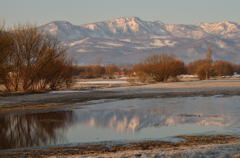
<point x="160" y="67"/>
<point x="96" y="71"/>
<point x="110" y="70"/>
<point x="35" y="61"/>
<point x="204" y="71"/>
<point x="193" y="66"/>
<point x="223" y="68"/>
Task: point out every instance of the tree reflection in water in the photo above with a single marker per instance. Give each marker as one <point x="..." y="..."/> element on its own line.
<point x="30" y="130"/>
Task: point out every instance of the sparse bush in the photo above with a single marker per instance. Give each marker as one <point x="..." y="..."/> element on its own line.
<point x="91" y="71"/>
<point x="95" y="71"/>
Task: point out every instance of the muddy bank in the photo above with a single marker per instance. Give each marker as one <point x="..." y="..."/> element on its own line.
<point x="137" y="149"/>
<point x="66" y="99"/>
<point x="46" y="101"/>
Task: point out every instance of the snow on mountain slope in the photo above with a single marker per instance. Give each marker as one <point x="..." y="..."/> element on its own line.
<point x="126" y="27"/>
<point x="220" y="28"/>
<point x="130" y="39"/>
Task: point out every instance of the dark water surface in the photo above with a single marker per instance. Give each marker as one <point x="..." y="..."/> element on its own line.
<point x="130" y="120"/>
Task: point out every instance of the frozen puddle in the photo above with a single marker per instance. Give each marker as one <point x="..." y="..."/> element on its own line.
<point x="103" y="82"/>
<point x="123" y="120"/>
<point x="69" y="91"/>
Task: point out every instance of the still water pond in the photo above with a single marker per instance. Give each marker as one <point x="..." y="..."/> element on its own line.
<point x="122" y="120"/>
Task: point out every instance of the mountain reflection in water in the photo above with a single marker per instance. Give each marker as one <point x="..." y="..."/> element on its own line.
<point x="133" y="119"/>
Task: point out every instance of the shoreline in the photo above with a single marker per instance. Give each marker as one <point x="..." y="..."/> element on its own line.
<point x="141" y="148"/>
<point x="44" y="102"/>
<point x="57" y="101"/>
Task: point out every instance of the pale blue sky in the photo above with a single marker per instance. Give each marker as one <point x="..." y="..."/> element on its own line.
<point x="88" y="11"/>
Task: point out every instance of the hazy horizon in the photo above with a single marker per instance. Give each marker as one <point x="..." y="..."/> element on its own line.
<point x="109" y="19"/>
<point x="84" y="12"/>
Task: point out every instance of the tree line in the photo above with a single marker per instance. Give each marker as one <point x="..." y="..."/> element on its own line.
<point x="31" y="60"/>
<point x="163" y="67"/>
<point x="96" y="71"/>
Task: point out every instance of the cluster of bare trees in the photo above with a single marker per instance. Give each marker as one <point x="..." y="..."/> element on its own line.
<point x="206" y="68"/>
<point x="96" y="71"/>
<point x="159" y="68"/>
<point x="162" y="67"/>
<point x="31" y="60"/>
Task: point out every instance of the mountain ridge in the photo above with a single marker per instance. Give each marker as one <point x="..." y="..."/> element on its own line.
<point x="131" y="39"/>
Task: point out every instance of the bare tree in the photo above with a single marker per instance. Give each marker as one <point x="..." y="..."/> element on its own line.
<point x="161" y="67"/>
<point x="5" y="53"/>
<point x="203" y="67"/>
<point x="36" y="61"/>
<point x="110" y="70"/>
<point x="209" y="55"/>
<point x="223" y="68"/>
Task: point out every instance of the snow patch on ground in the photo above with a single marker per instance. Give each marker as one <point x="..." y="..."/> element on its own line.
<point x="78" y="42"/>
<point x="125" y="40"/>
<point x="83" y="50"/>
<point x="103" y="82"/>
<point x="68" y="91"/>
<point x="162" y="43"/>
<point x="158" y="43"/>
<point x="112" y="44"/>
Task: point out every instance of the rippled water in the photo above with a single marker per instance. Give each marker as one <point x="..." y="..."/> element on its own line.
<point x="122" y="120"/>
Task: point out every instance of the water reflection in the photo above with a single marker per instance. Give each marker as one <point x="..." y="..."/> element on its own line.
<point x="136" y="114"/>
<point x="33" y="129"/>
<point x="133" y="119"/>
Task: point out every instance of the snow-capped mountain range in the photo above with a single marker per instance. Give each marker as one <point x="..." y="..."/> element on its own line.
<point x="129" y="40"/>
